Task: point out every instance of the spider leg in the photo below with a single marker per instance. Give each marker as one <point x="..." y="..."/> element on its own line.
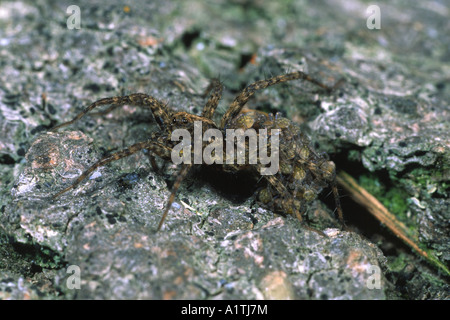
<point x="137" y="99"/>
<point x="337" y="201"/>
<point x="281" y="189"/>
<point x="298" y="215"/>
<point x="212" y="84"/>
<point x="321" y="233"/>
<point x="106" y="111"/>
<point x="181" y="175"/>
<point x="153" y="163"/>
<point x="333" y="185"/>
<point x="277" y="184"/>
<point x="157" y="148"/>
<point x="213" y="101"/>
<point x="244" y="96"/>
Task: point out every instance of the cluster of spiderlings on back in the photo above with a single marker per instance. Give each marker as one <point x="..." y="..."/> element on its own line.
<point x="302" y="174"/>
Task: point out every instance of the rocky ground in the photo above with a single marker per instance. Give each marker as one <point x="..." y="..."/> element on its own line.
<point x="387" y="125"/>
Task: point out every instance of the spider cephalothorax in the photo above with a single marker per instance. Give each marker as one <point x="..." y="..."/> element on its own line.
<point x="301" y="173"/>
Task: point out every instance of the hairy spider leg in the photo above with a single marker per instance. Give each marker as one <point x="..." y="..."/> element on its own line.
<point x="106" y="111"/>
<point x="337" y="201"/>
<point x="239" y="102"/>
<point x="305" y="225"/>
<point x="160" y="113"/>
<point x="154" y="147"/>
<point x="211" y="85"/>
<point x="283" y="191"/>
<point x="181" y="175"/>
<point x="298" y="215"/>
<point x="334" y="189"/>
<point x="277" y="184"/>
<point x="213" y="101"/>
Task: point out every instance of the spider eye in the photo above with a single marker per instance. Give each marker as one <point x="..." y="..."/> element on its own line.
<point x="185" y="120"/>
<point x="174" y="120"/>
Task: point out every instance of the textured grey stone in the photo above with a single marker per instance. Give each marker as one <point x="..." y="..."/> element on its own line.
<point x="389" y="116"/>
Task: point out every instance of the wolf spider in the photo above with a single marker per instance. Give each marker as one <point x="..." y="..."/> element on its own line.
<point x="302" y="172"/>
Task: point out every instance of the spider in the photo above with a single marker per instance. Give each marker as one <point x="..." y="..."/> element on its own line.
<point x="302" y="173"/>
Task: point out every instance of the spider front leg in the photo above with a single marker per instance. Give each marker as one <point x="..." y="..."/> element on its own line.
<point x="245" y="95"/>
<point x="181" y="175"/>
<point x="156" y="148"/>
<point x="327" y="171"/>
<point x="136" y="99"/>
<point x="337" y="201"/>
<point x="213" y="101"/>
